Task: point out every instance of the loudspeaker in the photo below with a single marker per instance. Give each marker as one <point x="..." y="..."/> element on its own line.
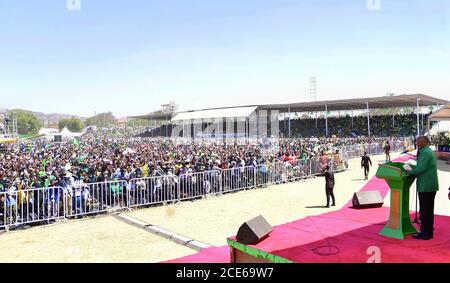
<point x="58" y="138"/>
<point x="367" y="199"/>
<point x="253" y="231"/>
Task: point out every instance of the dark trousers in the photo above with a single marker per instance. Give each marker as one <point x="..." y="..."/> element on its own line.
<point x="329" y="192"/>
<point x="366" y="172"/>
<point x="426" y="202"/>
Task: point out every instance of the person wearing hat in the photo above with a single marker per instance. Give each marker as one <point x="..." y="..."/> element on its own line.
<point x="329" y="184"/>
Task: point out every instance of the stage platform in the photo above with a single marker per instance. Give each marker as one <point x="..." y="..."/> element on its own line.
<point x="345" y="236"/>
<point x="443" y="155"/>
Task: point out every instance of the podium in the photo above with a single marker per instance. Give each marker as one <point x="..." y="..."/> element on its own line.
<point x="399" y="224"/>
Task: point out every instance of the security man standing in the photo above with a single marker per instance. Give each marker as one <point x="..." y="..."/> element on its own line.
<point x="366" y="163"/>
<point x="329" y="184"/>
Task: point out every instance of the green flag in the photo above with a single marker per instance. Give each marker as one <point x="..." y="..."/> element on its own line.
<point x="76" y="142"/>
<point x="44" y="163"/>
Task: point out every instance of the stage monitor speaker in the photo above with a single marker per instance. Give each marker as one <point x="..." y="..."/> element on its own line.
<point x="58" y="138"/>
<point x="369" y="199"/>
<point x="253" y="231"/>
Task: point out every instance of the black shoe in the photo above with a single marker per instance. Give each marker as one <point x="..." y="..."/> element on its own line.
<point x="422" y="237"/>
<point x="333" y="204"/>
<point x="327" y="206"/>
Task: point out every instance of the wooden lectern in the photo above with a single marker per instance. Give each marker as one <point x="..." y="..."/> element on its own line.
<point x="399" y="224"/>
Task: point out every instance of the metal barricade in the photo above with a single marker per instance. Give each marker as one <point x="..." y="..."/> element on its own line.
<point x="22" y="207"/>
<point x="316" y="167"/>
<point x="297" y="170"/>
<point x="91" y="198"/>
<point x="276" y="173"/>
<point x="152" y="190"/>
<point x="239" y="178"/>
<point x="262" y="175"/>
<point x="197" y="185"/>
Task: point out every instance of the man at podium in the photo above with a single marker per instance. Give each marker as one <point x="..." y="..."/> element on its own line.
<point x="427" y="186"/>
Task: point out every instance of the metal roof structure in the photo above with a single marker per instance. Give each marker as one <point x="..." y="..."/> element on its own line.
<point x="237" y="112"/>
<point x="442" y="114"/>
<point x="158" y="116"/>
<point x="405" y="100"/>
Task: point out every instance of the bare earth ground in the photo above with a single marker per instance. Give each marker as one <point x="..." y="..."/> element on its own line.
<point x="102" y="239"/>
<point x="210" y="220"/>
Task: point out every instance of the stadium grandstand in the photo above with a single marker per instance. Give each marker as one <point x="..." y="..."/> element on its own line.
<point x="307" y="119"/>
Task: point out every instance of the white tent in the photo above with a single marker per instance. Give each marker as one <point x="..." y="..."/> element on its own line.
<point x="47" y="131"/>
<point x="441" y="127"/>
<point x="65" y="133"/>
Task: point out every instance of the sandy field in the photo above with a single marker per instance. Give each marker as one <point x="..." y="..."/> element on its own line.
<point x="95" y="240"/>
<point x="210" y="220"/>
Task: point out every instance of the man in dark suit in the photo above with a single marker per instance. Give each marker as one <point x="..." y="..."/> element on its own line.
<point x="366" y="163"/>
<point x="329" y="184"/>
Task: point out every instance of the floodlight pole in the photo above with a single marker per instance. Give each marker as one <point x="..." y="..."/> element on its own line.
<point x="368" y="118"/>
<point x="352" y="119"/>
<point x="326" y="120"/>
<point x="418" y="118"/>
<point x="289" y="122"/>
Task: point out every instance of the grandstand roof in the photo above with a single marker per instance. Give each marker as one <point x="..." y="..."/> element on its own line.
<point x="159" y="116"/>
<point x="213" y="113"/>
<point x="442" y="114"/>
<point x="405" y="100"/>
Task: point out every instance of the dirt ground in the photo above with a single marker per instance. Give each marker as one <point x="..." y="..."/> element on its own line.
<point x="210" y="220"/>
<point x="95" y="240"/>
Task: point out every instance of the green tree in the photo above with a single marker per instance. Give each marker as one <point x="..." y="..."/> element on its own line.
<point x="73" y="124"/>
<point x="27" y="122"/>
<point x="62" y="123"/>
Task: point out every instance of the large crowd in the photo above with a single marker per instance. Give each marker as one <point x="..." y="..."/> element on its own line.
<point x="381" y="125"/>
<point x="100" y="156"/>
<point x="112" y="167"/>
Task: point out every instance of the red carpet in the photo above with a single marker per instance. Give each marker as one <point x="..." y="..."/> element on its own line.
<point x="343" y="236"/>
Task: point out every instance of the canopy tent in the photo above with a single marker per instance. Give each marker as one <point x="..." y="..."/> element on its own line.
<point x="442" y="127"/>
<point x="47" y="131"/>
<point x="66" y="133"/>
<point x="442" y="116"/>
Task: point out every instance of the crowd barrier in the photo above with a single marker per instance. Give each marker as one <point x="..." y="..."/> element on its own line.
<point x="357" y="150"/>
<point x="43" y="205"/>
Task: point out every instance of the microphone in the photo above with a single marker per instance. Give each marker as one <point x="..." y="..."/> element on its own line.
<point x="407" y="152"/>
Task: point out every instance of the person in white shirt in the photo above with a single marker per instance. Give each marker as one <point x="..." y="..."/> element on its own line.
<point x="68" y="193"/>
<point x="78" y="187"/>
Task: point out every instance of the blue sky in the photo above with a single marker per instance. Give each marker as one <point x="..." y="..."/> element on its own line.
<point x="131" y="56"/>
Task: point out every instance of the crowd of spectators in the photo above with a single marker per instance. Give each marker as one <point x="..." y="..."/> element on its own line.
<point x="403" y="125"/>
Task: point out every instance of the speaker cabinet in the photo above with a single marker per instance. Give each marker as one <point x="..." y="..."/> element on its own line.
<point x="369" y="199"/>
<point x="253" y="231"/>
<point x="57" y="138"/>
